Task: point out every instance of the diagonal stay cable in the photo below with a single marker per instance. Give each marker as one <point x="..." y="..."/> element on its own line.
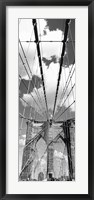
<point x="39" y="58"/>
<point x="72" y="40"/>
<point x="29" y="119"/>
<point x="69" y="68"/>
<point x="22" y="116"/>
<point x="33" y="139"/>
<point x="29" y="41"/>
<point x="27" y="65"/>
<point x="24" y="65"/>
<point x="24" y="110"/>
<point x="29" y="78"/>
<point x="65" y="110"/>
<point x="29" y="70"/>
<point x="68" y="95"/>
<point x="38" y="136"/>
<point x="29" y="105"/>
<point x="61" y="61"/>
<point x="33" y="97"/>
<point x="29" y="160"/>
<point x="26" y="71"/>
<point x="66" y="85"/>
<point x="39" y="133"/>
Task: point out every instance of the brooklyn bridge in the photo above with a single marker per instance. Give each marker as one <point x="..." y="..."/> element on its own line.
<point x="46" y="99"/>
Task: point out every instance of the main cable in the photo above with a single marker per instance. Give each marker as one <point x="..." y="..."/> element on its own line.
<point x="39" y="58"/>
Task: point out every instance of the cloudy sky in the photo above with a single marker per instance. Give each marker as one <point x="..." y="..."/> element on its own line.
<point x="31" y="101"/>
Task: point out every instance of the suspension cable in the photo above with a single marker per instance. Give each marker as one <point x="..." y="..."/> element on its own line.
<point x="66" y="109"/>
<point x="66" y="85"/>
<point x="68" y="94"/>
<point x="25" y="107"/>
<point x="39" y="57"/>
<point x="28" y="68"/>
<point x="29" y="105"/>
<point x="61" y="61"/>
<point x="41" y="50"/>
<point x="69" y="67"/>
<point x="22" y="116"/>
<point x="33" y="97"/>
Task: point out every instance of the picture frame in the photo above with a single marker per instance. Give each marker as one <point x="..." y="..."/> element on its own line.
<point x="3" y="105"/>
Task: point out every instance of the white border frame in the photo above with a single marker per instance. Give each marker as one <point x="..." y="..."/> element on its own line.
<point x="80" y="186"/>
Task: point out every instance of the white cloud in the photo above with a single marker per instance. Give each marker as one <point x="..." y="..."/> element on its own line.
<point x="33" y="99"/>
<point x="58" y="154"/>
<point x="41" y="24"/>
<point x="51" y="73"/>
<point x="28" y="98"/>
<point x="51" y="77"/>
<point x="23" y="136"/>
<point x="22" y="142"/>
<point x="25" y="77"/>
<point x="26" y="30"/>
<point x="64" y="77"/>
<point x="43" y="162"/>
<point x="56" y="35"/>
<point x="23" y="102"/>
<point x="47" y="49"/>
<point x="66" y="158"/>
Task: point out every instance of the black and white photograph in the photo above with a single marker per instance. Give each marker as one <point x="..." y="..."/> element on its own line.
<point x="47" y="87"/>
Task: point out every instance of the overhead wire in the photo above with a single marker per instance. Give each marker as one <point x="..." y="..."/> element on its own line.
<point x="66" y="98"/>
<point x="66" y="84"/>
<point x="65" y="109"/>
<point x="69" y="69"/>
<point x="27" y="103"/>
<point x="33" y="97"/>
<point x="36" y="91"/>
<point x="68" y="56"/>
<point x="27" y="72"/>
<point x="25" y="107"/>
